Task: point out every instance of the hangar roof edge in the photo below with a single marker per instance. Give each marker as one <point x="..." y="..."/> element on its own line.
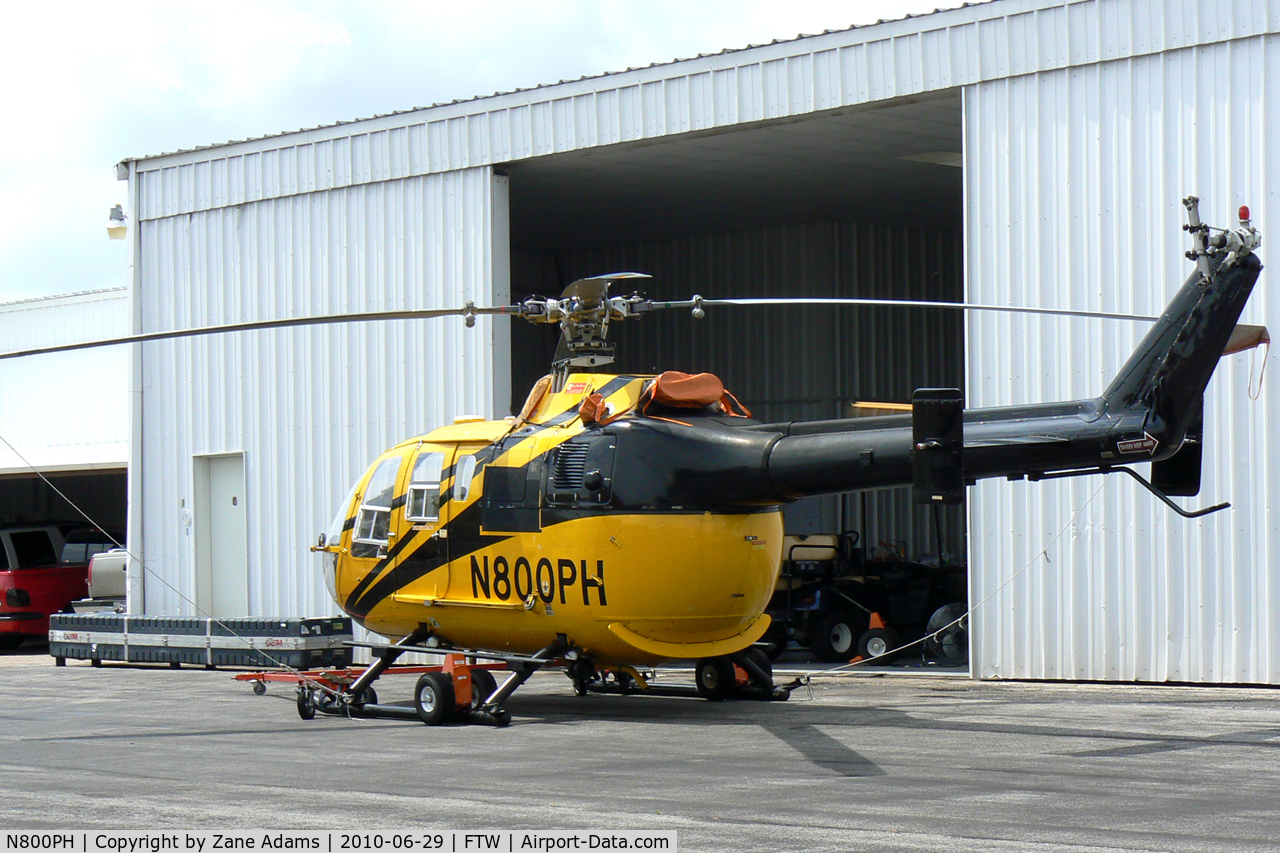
<point x="79" y="296"/>
<point x="545" y="86"/>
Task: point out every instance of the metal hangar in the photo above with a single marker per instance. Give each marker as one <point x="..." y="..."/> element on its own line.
<point x="65" y="415"/>
<point x="1021" y="152"/>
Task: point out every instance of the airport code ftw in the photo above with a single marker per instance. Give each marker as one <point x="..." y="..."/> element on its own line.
<point x="438" y="841"/>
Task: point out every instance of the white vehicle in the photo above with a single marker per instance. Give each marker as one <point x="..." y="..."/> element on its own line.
<point x="106" y="581"/>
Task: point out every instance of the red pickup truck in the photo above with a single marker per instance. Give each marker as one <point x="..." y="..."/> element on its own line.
<point x="43" y="568"/>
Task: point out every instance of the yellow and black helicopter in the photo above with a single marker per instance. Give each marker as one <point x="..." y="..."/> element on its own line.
<point x="619" y="521"/>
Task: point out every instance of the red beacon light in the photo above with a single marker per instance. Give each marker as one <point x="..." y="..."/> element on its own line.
<point x="1244" y="213"/>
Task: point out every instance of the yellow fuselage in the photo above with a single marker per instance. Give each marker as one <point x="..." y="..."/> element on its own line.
<point x="625" y="586"/>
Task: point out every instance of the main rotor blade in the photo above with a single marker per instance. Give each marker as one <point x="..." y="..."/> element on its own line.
<point x="319" y="320"/>
<point x="901" y="303"/>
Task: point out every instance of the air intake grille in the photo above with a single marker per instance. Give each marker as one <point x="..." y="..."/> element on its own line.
<point x="570" y="462"/>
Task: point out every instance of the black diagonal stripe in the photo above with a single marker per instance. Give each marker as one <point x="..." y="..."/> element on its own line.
<point x="615" y="385"/>
<point x="483" y="456"/>
<point x="377" y="570"/>
<point x="610" y="388"/>
<point x="378" y="585"/>
<point x="461" y="545"/>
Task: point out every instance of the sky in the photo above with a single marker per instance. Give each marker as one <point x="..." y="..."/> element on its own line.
<point x="88" y="85"/>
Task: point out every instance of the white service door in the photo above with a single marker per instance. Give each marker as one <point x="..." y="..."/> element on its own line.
<point x="228" y="537"/>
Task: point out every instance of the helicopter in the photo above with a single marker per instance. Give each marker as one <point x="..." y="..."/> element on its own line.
<point x="619" y="521"/>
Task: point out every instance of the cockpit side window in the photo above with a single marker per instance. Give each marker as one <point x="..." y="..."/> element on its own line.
<point x="373" y="525"/>
<point x="463" y="470"/>
<point x="423" y="503"/>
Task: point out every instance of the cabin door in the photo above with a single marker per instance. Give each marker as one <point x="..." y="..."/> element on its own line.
<point x="423" y="568"/>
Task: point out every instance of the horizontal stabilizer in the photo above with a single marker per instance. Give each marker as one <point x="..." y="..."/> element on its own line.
<point x="1247" y="337"/>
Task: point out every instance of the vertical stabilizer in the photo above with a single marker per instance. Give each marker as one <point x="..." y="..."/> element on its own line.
<point x="1167" y="374"/>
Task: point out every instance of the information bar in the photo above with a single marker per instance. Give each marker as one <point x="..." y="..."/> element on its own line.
<point x="324" y="841"/>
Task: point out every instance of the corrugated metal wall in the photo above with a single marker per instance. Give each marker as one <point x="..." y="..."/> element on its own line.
<point x="309" y="408"/>
<point x="802" y="363"/>
<point x="1073" y="185"/>
<point x="65" y="410"/>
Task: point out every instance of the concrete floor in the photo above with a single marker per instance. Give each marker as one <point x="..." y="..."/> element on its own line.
<point x="885" y="763"/>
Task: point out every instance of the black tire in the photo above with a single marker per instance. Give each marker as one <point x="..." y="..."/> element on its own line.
<point x="11" y="641"/>
<point x="774" y="641"/>
<point x="715" y="678"/>
<point x="306" y="705"/>
<point x="626" y="684"/>
<point x="880" y="644"/>
<point x="367" y="696"/>
<point x="583" y="672"/>
<point x="482" y="686"/>
<point x="834" y="637"/>
<point x="761" y="659"/>
<point x="433" y="698"/>
<point x="259" y="688"/>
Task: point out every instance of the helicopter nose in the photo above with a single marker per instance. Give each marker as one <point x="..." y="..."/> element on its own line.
<point x="330" y="543"/>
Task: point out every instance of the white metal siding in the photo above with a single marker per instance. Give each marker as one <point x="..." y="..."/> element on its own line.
<point x="1073" y="185"/>
<point x="309" y="408"/>
<point x="840" y="69"/>
<point x="69" y="410"/>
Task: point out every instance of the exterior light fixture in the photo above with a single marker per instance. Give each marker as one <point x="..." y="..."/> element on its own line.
<point x="117" y="223"/>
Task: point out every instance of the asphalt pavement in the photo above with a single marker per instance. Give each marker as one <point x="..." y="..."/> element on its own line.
<point x="868" y="762"/>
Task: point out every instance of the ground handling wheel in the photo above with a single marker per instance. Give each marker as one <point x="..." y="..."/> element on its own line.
<point x="433" y="698"/>
<point x="715" y="678"/>
<point x="834" y="637"/>
<point x="306" y="703"/>
<point x="774" y="641"/>
<point x="754" y="661"/>
<point x="761" y="659"/>
<point x="879" y="645"/>
<point x="482" y="686"/>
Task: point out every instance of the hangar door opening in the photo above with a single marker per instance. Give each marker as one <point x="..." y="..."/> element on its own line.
<point x="861" y="202"/>
<point x="97" y="493"/>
